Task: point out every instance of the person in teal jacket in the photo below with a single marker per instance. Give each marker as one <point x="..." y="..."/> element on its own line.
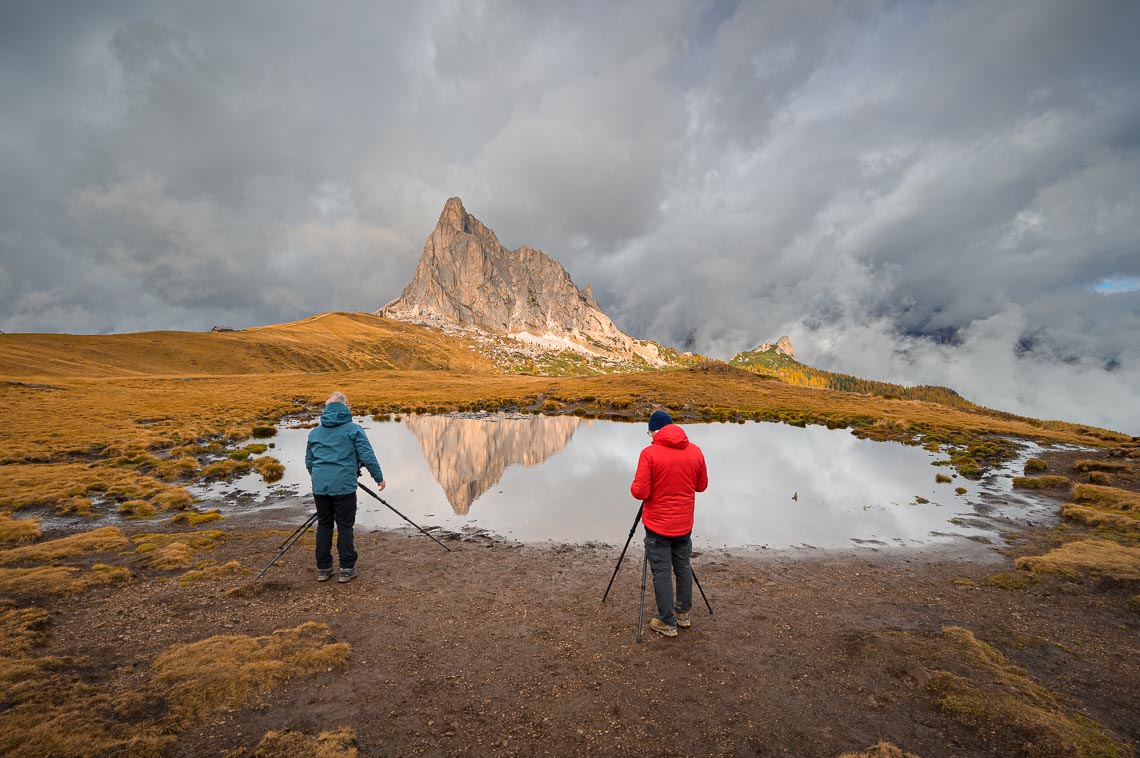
<point x="336" y="451"/>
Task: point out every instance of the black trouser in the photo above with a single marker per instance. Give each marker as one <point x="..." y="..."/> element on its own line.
<point x="340" y="509"/>
<point x="668" y="556"/>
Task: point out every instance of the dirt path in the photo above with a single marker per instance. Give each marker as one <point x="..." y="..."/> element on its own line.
<point x="501" y="649"/>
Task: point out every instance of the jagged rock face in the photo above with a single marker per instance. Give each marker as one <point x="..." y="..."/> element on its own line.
<point x="468" y="277"/>
<point x="783" y="346"/>
<point x="468" y="456"/>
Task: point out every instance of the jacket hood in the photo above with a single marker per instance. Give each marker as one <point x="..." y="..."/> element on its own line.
<point x="671" y="436"/>
<point x="336" y="414"/>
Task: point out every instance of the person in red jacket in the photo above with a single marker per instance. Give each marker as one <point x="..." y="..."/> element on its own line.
<point x="669" y="474"/>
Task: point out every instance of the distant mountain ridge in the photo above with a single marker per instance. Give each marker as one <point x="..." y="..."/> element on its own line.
<point x="467" y="277"/>
<point x="771" y="354"/>
<point x="778" y="359"/>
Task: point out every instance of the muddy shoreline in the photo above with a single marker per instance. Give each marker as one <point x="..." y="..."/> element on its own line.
<point x="502" y="648"/>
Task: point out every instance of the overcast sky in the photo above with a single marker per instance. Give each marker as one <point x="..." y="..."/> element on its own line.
<point x="942" y="193"/>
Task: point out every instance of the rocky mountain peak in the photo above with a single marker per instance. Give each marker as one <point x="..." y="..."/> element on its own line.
<point x="465" y="276"/>
<point x="455" y="218"/>
<point x="782" y="346"/>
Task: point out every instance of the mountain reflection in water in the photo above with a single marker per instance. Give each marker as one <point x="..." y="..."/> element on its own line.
<point x="564" y="479"/>
<point x="468" y="456"/>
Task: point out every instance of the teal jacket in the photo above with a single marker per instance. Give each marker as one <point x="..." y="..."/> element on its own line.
<point x="336" y="451"/>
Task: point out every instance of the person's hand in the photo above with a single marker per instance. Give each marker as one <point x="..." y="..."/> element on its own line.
<point x="381" y="485"/>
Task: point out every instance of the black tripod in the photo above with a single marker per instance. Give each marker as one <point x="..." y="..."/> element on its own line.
<point x="288" y="543"/>
<point x="645" y="563"/>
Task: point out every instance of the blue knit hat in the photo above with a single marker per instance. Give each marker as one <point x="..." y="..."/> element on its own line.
<point x="658" y="420"/>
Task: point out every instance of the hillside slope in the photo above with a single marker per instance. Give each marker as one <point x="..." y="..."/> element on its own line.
<point x="768" y="360"/>
<point x="325" y="342"/>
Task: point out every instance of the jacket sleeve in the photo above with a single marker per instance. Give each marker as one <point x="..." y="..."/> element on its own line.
<point x="702" y="475"/>
<point x="309" y="455"/>
<point x="641" y="480"/>
<point x="365" y="456"/>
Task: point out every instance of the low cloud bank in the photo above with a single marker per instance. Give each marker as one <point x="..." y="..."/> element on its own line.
<point x="987" y="367"/>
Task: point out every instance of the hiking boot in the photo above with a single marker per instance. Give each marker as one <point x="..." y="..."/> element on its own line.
<point x="661" y="627"/>
<point x="347" y="575"/>
<point x="684" y="620"/>
<point x="323" y="575"/>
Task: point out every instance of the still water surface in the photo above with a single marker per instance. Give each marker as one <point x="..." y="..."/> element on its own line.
<point x="565" y="479"/>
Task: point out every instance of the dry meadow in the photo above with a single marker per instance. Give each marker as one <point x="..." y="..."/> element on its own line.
<point x="147" y="637"/>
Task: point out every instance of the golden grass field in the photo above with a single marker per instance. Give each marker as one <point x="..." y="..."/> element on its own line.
<point x="127" y="420"/>
<point x="82" y="412"/>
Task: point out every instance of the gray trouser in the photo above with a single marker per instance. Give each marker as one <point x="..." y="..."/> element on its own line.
<point x="668" y="556"/>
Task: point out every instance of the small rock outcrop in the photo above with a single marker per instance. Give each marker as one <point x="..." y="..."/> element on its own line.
<point x="782" y="346"/>
<point x="467" y="277"/>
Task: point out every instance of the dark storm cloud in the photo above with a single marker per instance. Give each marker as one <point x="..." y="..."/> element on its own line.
<point x="921" y="192"/>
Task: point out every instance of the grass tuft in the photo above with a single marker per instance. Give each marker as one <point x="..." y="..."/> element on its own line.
<point x="95" y="541"/>
<point x="942" y="479"/>
<point x="195" y="517"/>
<point x="76" y="506"/>
<point x="1010" y="580"/>
<point x="880" y="749"/>
<point x="1095" y="557"/>
<point x="1034" y="465"/>
<point x="340" y="743"/>
<point x="1093" y="465"/>
<point x="271" y="469"/>
<point x="1111" y="498"/>
<point x="46" y="581"/>
<point x="230" y="671"/>
<point x="1125" y="522"/>
<point x="263" y="432"/>
<point x="18" y="531"/>
<point x="209" y="571"/>
<point x="203" y="539"/>
<point x="226" y="467"/>
<point x="173" y="498"/>
<point x="175" y="555"/>
<point x="177" y="468"/>
<point x="21" y="630"/>
<point x="1047" y="482"/>
<point x="136" y="509"/>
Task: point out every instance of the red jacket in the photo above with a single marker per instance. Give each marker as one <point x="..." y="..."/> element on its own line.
<point x="669" y="474"/>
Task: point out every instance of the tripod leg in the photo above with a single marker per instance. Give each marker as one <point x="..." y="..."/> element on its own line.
<point x="289" y="543"/>
<point x="301" y="528"/>
<point x="702" y="589"/>
<point x="641" y="607"/>
<point x="632" y="529"/>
